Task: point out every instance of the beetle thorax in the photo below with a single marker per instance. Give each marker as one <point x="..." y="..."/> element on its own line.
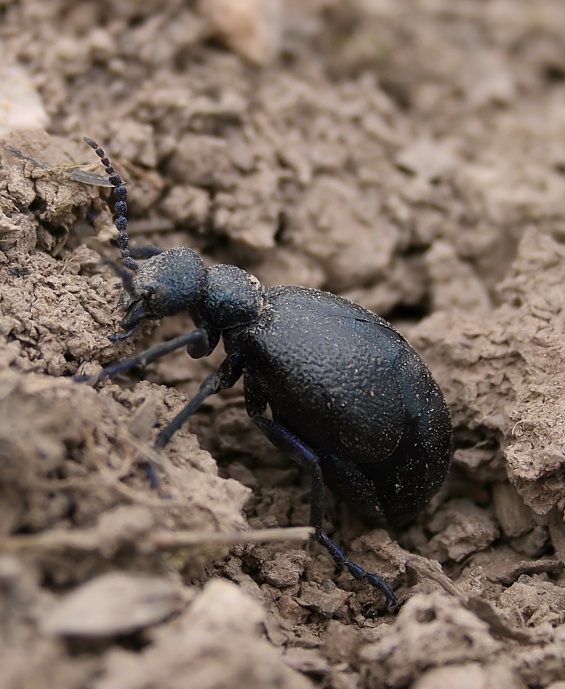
<point x="231" y="297"/>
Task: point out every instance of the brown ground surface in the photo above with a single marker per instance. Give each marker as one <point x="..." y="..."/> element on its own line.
<point x="410" y="155"/>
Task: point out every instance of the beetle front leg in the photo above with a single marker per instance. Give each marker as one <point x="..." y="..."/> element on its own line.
<point x="286" y="441"/>
<point x="196" y="342"/>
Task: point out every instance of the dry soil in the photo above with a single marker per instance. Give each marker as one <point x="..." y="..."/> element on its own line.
<point x="409" y="155"/>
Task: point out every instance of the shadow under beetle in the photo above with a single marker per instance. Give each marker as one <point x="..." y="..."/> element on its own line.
<point x="350" y="400"/>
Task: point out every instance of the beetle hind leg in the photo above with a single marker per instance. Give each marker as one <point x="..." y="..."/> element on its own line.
<point x="286" y="441"/>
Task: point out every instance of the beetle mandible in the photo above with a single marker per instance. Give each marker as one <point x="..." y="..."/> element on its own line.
<point x="349" y="398"/>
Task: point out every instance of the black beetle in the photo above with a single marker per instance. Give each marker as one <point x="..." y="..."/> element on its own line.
<point x="350" y="400"/>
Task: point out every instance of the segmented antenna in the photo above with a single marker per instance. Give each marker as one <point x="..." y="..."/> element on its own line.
<point x="120" y="205"/>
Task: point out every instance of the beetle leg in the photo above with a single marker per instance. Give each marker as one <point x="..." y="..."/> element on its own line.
<point x="195" y="343"/>
<point x="286" y="441"/>
<point x="255" y="396"/>
<point x="225" y="377"/>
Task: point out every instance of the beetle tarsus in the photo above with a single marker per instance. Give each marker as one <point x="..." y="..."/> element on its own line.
<point x="342" y="561"/>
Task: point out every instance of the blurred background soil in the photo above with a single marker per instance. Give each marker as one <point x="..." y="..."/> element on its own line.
<point x="407" y="154"/>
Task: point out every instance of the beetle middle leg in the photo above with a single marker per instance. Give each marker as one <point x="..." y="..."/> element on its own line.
<point x="226" y="376"/>
<point x="286" y="441"/>
<point x="197" y="344"/>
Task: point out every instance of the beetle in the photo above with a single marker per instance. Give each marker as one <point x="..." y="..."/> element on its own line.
<point x="349" y="398"/>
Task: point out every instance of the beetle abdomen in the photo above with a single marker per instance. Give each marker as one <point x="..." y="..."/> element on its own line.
<point x="350" y="387"/>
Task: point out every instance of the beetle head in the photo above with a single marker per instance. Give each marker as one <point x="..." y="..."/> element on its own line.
<point x="163" y="285"/>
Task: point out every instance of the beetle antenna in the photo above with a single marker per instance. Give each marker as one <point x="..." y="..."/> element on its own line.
<point x="120" y="205"/>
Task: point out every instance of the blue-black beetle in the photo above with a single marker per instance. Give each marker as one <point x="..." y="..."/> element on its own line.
<point x="350" y="400"/>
